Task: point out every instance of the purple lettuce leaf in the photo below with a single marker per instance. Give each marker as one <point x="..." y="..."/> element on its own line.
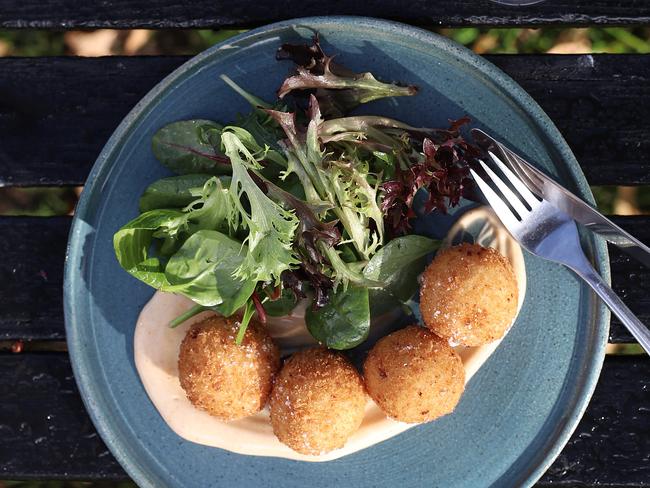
<point x="337" y="88"/>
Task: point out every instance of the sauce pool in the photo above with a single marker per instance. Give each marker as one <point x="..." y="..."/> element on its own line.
<point x="156" y="348"/>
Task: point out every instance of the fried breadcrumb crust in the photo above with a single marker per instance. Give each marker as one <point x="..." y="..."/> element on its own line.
<point x="318" y="401"/>
<point x="469" y="295"/>
<point x="227" y="380"/>
<point x="414" y="376"/>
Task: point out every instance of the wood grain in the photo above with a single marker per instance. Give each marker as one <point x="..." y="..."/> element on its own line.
<point x="46" y="433"/>
<point x="31" y="277"/>
<point x="603" y="451"/>
<point x="71" y="14"/>
<point x="57" y="113"/>
<point x="630" y="279"/>
<point x="596" y="102"/>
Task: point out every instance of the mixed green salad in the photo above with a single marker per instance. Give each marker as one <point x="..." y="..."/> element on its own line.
<point x="295" y="200"/>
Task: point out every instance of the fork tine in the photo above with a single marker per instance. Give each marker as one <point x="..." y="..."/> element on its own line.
<point x="501" y="209"/>
<point x="523" y="170"/>
<point x="511" y="198"/>
<point x="521" y="188"/>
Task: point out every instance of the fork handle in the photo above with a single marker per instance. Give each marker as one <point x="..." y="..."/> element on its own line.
<point x="616" y="305"/>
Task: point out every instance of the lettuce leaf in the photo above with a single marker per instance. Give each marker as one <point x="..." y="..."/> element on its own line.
<point x="337" y="88"/>
<point x="271" y="228"/>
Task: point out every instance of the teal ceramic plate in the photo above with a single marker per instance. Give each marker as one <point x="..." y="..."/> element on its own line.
<point x="517" y="412"/>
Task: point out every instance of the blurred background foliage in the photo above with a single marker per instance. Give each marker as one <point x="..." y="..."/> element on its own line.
<point x="105" y="42"/>
<point x="499" y="41"/>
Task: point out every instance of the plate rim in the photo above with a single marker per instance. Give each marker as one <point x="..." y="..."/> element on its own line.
<point x="100" y="172"/>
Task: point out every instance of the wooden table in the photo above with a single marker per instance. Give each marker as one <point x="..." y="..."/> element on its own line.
<point x="56" y="113"/>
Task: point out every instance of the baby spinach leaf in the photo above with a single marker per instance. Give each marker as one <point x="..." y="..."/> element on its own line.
<point x="382" y="301"/>
<point x="132" y="243"/>
<point x="344" y="322"/>
<point x="399" y="263"/>
<point x="190" y="147"/>
<point x="283" y="305"/>
<point x="202" y="269"/>
<point x="173" y="192"/>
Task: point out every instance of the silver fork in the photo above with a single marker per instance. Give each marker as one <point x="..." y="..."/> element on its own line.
<point x="549" y="233"/>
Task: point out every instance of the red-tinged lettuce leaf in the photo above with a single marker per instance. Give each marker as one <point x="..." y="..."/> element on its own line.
<point x="287" y="122"/>
<point x="337" y="88"/>
<point x="443" y="172"/>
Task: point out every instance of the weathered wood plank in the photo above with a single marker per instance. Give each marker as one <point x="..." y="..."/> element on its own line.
<point x="31" y="277"/>
<point x="57" y="113"/>
<point x="46" y="433"/>
<point x="594" y="101"/>
<point x="611" y="446"/>
<point x="69" y="14"/>
<point x="630" y="279"/>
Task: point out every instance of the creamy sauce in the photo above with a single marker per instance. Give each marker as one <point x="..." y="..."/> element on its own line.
<point x="156" y="348"/>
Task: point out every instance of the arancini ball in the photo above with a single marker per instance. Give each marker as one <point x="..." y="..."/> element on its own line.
<point x="318" y="401"/>
<point x="468" y="295"/>
<point x="227" y="380"/>
<point x="413" y="375"/>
